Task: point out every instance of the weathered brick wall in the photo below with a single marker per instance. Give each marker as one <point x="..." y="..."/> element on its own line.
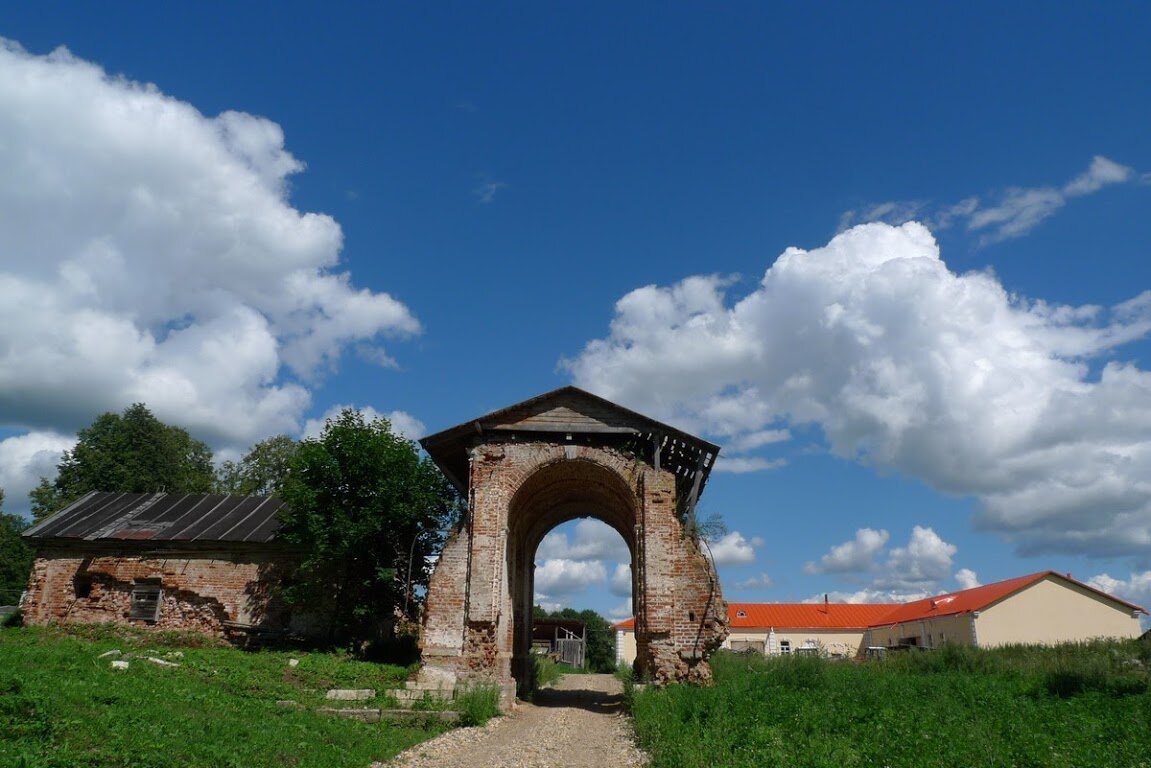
<point x="520" y="491"/>
<point x="199" y="590"/>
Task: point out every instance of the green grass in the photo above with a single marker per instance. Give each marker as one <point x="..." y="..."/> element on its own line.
<point x="62" y="706"/>
<point x="547" y="671"/>
<point x="1073" y="706"/>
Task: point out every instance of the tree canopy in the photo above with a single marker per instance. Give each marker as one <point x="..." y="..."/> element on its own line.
<point x="133" y="452"/>
<point x="262" y="471"/>
<point x="368" y="512"/>
<point x="15" y="556"/>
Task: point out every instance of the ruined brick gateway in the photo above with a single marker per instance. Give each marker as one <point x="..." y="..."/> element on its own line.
<point x="526" y="469"/>
<point x="211" y="563"/>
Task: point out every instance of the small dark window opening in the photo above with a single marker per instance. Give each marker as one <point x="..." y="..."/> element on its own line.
<point x="145" y="600"/>
<point x="82" y="586"/>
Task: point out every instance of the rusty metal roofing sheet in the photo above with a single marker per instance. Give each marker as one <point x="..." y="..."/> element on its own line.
<point x="164" y="517"/>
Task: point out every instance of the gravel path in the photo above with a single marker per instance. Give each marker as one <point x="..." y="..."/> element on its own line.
<point x="577" y="724"/>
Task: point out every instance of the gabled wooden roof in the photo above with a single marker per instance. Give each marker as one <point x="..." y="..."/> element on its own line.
<point x="571" y="414"/>
<point x="103" y="516"/>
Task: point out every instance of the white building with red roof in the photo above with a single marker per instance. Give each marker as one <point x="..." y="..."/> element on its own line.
<point x="1042" y="608"/>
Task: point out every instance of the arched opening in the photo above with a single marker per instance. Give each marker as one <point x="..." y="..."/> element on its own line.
<point x="553" y="495"/>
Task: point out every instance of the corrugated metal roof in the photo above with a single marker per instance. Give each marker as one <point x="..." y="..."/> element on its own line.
<point x="102" y="516"/>
<point x="806" y="615"/>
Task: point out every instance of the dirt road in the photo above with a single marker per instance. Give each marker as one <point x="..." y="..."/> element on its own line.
<point x="577" y="724"/>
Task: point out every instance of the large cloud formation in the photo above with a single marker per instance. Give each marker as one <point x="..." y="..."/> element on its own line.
<point x="148" y="253"/>
<point x="905" y="365"/>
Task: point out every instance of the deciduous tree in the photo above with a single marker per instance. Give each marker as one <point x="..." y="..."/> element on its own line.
<point x="368" y="512"/>
<point x="262" y="471"/>
<point x="133" y="452"/>
<point x="15" y="556"/>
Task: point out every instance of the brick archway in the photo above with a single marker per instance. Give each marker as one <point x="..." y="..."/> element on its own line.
<point x="535" y="465"/>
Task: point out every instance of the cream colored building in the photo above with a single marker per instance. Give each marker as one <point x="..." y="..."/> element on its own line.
<point x="1042" y="608"/>
<point x="625" y="650"/>
<point x="778" y="629"/>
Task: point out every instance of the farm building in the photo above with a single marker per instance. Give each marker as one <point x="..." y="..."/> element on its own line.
<point x="189" y="562"/>
<point x="563" y="639"/>
<point x="833" y="629"/>
<point x="1041" y="608"/>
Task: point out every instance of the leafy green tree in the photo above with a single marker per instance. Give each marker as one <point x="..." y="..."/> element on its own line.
<point x="368" y="511"/>
<point x="600" y="650"/>
<point x="15" y="556"/>
<point x="133" y="452"/>
<point x="45" y="500"/>
<point x="262" y="471"/>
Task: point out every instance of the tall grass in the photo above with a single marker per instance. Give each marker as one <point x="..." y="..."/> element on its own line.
<point x="61" y="706"/>
<point x="1073" y="706"/>
<point x="477" y="704"/>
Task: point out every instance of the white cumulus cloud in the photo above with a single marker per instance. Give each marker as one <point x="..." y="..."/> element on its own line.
<point x="620" y="584"/>
<point x="762" y="581"/>
<point x="149" y="253"/>
<point x="592" y="540"/>
<point x="923" y="564"/>
<point x="733" y="549"/>
<point x="966" y="578"/>
<point x="1134" y="589"/>
<point x="621" y="611"/>
<point x="853" y="556"/>
<point x="906" y="366"/>
<point x="562" y="577"/>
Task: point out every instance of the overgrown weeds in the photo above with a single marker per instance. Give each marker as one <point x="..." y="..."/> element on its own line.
<point x="547" y="671"/>
<point x="1079" y="705"/>
<point x="477" y="704"/>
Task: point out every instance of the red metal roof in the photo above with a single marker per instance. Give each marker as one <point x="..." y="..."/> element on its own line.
<point x="806" y="615"/>
<point x="864" y="615"/>
<point x="980" y="598"/>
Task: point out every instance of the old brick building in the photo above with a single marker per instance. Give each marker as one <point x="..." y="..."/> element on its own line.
<point x="190" y="562"/>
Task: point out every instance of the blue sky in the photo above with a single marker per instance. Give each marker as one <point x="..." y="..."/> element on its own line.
<point x="246" y="217"/>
